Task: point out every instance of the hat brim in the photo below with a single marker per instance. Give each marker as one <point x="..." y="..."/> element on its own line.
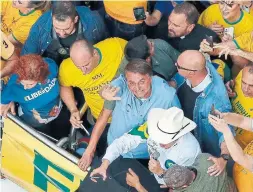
<point x="164" y="138"/>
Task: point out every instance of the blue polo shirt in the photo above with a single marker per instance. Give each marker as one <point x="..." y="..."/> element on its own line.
<point x="132" y="112"/>
<point x="39" y="100"/>
<point x="165" y="7"/>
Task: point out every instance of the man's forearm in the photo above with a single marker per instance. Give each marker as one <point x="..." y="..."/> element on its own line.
<point x="10" y="64"/>
<point x="8" y="68"/>
<point x="140" y="188"/>
<point x="246" y="55"/>
<point x="122" y="145"/>
<point x="98" y="129"/>
<point x="224" y="148"/>
<point x="67" y="95"/>
<point x="238" y="120"/>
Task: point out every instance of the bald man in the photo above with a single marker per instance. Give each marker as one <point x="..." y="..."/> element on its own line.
<point x="199" y="87"/>
<point x="89" y="68"/>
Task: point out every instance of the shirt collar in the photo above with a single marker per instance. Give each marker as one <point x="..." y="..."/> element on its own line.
<point x="201" y="87"/>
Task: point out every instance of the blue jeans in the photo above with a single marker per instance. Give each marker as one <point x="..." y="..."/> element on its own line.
<point x="123" y="30"/>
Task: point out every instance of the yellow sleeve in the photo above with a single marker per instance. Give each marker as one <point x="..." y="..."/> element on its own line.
<point x="63" y="76"/>
<point x="205" y="18"/>
<point x="3" y="7"/>
<point x="122" y="43"/>
<point x="245" y="42"/>
<point x="21" y="32"/>
<point x="7" y="47"/>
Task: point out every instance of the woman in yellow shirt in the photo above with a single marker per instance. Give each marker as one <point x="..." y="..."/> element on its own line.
<point x="17" y="17"/>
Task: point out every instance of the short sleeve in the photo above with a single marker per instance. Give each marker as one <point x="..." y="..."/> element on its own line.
<point x="245" y="42"/>
<point x="205" y="19"/>
<point x="21" y="32"/>
<point x="122" y="67"/>
<point x="110" y="105"/>
<point x="63" y="74"/>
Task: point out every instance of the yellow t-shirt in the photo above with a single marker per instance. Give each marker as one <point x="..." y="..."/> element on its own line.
<point x="123" y="10"/>
<point x="243" y="177"/>
<point x="111" y="52"/>
<point x="15" y="23"/>
<point x="213" y="14"/>
<point x="245" y="42"/>
<point x="244" y="106"/>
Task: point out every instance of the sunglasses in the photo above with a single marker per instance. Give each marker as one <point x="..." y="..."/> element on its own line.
<point x="176" y="133"/>
<point x="179" y="67"/>
<point x="228" y="4"/>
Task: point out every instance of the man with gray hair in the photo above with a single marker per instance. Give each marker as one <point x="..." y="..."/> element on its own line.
<point x="129" y="99"/>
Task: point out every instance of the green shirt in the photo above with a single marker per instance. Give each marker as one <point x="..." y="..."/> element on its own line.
<point x="206" y="183"/>
<point x="163" y="60"/>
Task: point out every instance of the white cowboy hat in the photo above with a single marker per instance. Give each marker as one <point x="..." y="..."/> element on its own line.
<point x="165" y="126"/>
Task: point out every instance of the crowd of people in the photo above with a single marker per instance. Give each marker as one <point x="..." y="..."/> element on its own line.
<point x="170" y="82"/>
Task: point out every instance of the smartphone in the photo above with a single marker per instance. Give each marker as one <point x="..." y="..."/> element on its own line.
<point x="209" y="39"/>
<point x="213" y="112"/>
<point x="139" y="13"/>
<point x="229" y="31"/>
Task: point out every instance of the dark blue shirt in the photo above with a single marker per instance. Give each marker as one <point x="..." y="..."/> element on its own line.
<point x="165" y="7"/>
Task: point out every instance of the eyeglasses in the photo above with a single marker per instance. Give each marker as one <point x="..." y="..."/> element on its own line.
<point x="176" y="133"/>
<point x="179" y="67"/>
<point x="228" y="4"/>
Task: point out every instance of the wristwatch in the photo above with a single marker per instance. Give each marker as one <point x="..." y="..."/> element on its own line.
<point x="226" y="157"/>
<point x="161" y="176"/>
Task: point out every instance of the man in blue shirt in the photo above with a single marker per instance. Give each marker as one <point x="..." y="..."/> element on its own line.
<point x="56" y="30"/>
<point x="199" y="87"/>
<point x="137" y="92"/>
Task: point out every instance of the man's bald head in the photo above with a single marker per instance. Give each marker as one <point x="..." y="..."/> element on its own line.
<point x="82" y="54"/>
<point x="81" y="47"/>
<point x="192" y="59"/>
